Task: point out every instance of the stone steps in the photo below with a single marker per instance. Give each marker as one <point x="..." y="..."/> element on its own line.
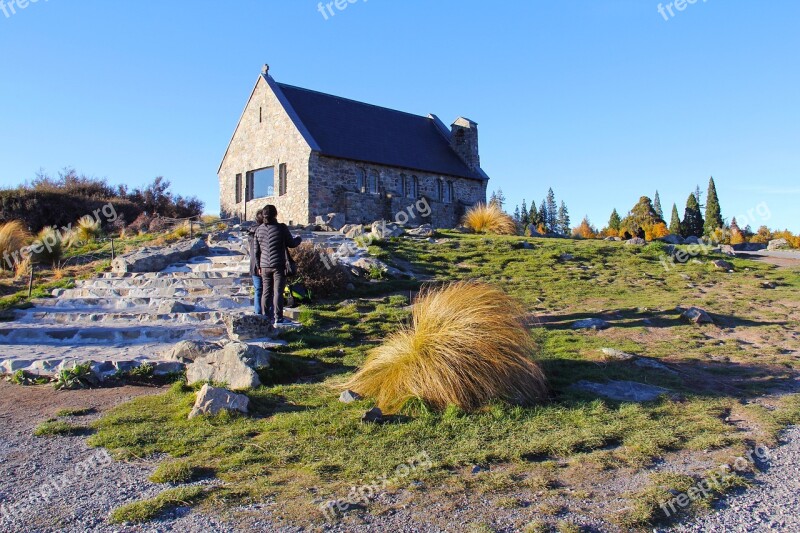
<point x="40" y="317"/>
<point x="26" y="334"/>
<point x="137" y="292"/>
<point x="121" y="303"/>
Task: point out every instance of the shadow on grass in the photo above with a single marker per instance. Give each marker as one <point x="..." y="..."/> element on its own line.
<point x="632" y="318"/>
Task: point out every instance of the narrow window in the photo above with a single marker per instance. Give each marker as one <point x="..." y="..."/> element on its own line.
<point x="403" y="180"/>
<point x="282" y="179"/>
<point x="260" y="115"/>
<point x="238" y="188"/>
<point x="411" y="189"/>
<point x="261" y="183"/>
<point x="448" y="192"/>
<point x="373" y="182"/>
<point x="440" y="190"/>
<point x="361" y="177"/>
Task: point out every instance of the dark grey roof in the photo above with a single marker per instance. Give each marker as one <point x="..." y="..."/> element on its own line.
<point x="362" y="132"/>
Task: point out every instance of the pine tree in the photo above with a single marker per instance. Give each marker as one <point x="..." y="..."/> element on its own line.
<point x="543" y="215"/>
<point x="517" y="217"/>
<point x="614" y="221"/>
<point x="713" y="213"/>
<point x="692" y="224"/>
<point x="552" y="212"/>
<point x="699" y="196"/>
<point x="533" y="215"/>
<point x="523" y="213"/>
<point x="675" y="223"/>
<point x="641" y="217"/>
<point x="657" y="207"/>
<point x="562" y="221"/>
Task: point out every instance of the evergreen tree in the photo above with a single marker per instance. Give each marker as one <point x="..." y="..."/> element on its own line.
<point x="562" y="221"/>
<point x="698" y="195"/>
<point x="657" y="206"/>
<point x="713" y="213"/>
<point x="552" y="212"/>
<point x="523" y="213"/>
<point x="614" y="221"/>
<point x="675" y="223"/>
<point x="517" y="217"/>
<point x="543" y="215"/>
<point x="642" y="217"/>
<point x="533" y="215"/>
<point x="692" y="224"/>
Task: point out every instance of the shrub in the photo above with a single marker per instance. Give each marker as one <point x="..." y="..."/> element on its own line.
<point x="78" y="377"/>
<point x="87" y="229"/>
<point x="48" y="246"/>
<point x="322" y="278"/>
<point x="13" y="237"/>
<point x="467" y="345"/>
<point x="160" y="224"/>
<point x="141" y="224"/>
<point x="490" y="218"/>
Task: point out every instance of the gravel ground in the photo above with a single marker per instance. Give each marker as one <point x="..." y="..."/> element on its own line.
<point x="772" y="505"/>
<point x="74" y="487"/>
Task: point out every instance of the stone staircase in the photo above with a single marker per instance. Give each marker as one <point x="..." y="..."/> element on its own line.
<point x="118" y="321"/>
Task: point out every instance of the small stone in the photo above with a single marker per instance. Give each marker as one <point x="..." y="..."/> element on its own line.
<point x="211" y="400"/>
<point x="623" y="391"/>
<point x="349" y="396"/>
<point x="373" y="416"/>
<point x="591" y="323"/>
<point x="617" y="354"/>
<point x="697" y="316"/>
<point x="424" y="231"/>
<point x="477" y="469"/>
<point x="722" y="265"/>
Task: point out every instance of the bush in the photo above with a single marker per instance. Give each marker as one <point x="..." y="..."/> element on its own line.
<point x="466" y="346"/>
<point x="141" y="224"/>
<point x="48" y="247"/>
<point x="88" y="229"/>
<point x="160" y="225"/>
<point x="322" y="278"/>
<point x="489" y="219"/>
<point x="13" y="237"/>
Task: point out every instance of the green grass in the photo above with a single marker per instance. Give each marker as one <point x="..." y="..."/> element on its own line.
<point x="177" y="471"/>
<point x="300" y="437"/>
<point x="146" y="510"/>
<point x="80" y="411"/>
<point x="57" y="428"/>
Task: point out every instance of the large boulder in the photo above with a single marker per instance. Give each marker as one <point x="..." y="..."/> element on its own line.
<point x="245" y="326"/>
<point x="188" y="351"/>
<point x="424" y="231"/>
<point x="531" y="231"/>
<point x="727" y="249"/>
<point x="156" y="259"/>
<point x="672" y="239"/>
<point x="720" y="264"/>
<point x="336" y="221"/>
<point x="636" y="241"/>
<point x="778" y="244"/>
<point x="212" y="400"/>
<point x="351" y="231"/>
<point x="368" y="265"/>
<point x="234" y="365"/>
<point x="698" y="316"/>
<point x="385" y="230"/>
<point x="691" y="239"/>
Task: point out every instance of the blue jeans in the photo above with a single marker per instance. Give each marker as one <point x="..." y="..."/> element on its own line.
<point x="258" y="285"/>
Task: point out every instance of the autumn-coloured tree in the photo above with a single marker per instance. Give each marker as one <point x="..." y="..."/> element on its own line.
<point x="640" y="217"/>
<point x="656" y="231"/>
<point x="762" y="236"/>
<point x="585" y="230"/>
<point x="737" y="237"/>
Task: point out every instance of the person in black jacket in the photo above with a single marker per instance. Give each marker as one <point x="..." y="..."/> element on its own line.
<point x="257" y="283"/>
<point x="272" y="241"/>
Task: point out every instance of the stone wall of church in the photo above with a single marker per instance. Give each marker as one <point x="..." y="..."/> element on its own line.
<point x="338" y="186"/>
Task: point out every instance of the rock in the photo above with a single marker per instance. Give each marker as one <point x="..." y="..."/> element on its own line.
<point x="691" y="239"/>
<point x="477" y="469"/>
<point x="636" y="241"/>
<point x="722" y="265"/>
<point x="188" y="351"/>
<point x="672" y="239"/>
<point x="622" y="391"/>
<point x="373" y="416"/>
<point x="531" y="231"/>
<point x="525" y="245"/>
<point x="335" y="221"/>
<point x="646" y="362"/>
<point x="768" y="285"/>
<point x="591" y="323"/>
<point x="614" y="239"/>
<point x="749" y="247"/>
<point x="347" y="249"/>
<point x="349" y="396"/>
<point x="218" y="237"/>
<point x="611" y="353"/>
<point x="566" y="257"/>
<point x="385" y="230"/>
<point x="369" y="264"/>
<point x="245" y="326"/>
<point x="233" y="365"/>
<point x="778" y="244"/>
<point x="164" y="368"/>
<point x="153" y="259"/>
<point x="424" y="231"/>
<point x="727" y="249"/>
<point x="351" y="231"/>
<point x="697" y="316"/>
<point x="211" y="400"/>
<point x="169" y="307"/>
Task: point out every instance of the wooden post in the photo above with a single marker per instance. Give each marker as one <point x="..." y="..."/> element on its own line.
<point x="112" y="248"/>
<point x="191" y="229"/>
<point x="30" y="283"/>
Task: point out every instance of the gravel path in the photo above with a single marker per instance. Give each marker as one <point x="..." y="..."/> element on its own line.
<point x="772" y="505"/>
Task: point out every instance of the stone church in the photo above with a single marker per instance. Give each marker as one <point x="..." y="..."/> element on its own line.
<point x="311" y="154"/>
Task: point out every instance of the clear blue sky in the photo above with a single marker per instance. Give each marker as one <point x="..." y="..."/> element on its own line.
<point x="603" y="100"/>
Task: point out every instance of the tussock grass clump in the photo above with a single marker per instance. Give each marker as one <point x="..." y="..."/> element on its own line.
<point x="49" y="246"/>
<point x="490" y="218"/>
<point x="467" y="345"/>
<point x="146" y="510"/>
<point x="87" y="229"/>
<point x="57" y="428"/>
<point x="178" y="471"/>
<point x="13" y="237"/>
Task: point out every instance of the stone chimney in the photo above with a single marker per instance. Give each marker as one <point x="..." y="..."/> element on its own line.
<point x="464" y="140"/>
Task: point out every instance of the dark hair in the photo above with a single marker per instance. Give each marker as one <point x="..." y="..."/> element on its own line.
<point x="270" y="213"/>
<point x="260" y="216"/>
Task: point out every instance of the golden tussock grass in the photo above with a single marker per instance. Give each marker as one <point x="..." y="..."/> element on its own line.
<point x="490" y="218"/>
<point x="13" y="237"/>
<point x="467" y="345"/>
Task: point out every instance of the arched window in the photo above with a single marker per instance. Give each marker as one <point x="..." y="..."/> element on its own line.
<point x="361" y="180"/>
<point x="372" y="182"/>
<point x="411" y="187"/>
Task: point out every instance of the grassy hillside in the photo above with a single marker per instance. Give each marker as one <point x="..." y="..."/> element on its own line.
<point x="728" y="391"/>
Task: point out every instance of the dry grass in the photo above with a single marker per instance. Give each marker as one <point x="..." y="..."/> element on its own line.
<point x="466" y="346"/>
<point x="13" y="237"/>
<point x="49" y="246"/>
<point x="22" y="268"/>
<point x="87" y="229"/>
<point x="490" y="218"/>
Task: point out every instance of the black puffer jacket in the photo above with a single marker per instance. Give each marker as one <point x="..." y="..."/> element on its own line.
<point x="272" y="240"/>
<point x="251" y="241"/>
